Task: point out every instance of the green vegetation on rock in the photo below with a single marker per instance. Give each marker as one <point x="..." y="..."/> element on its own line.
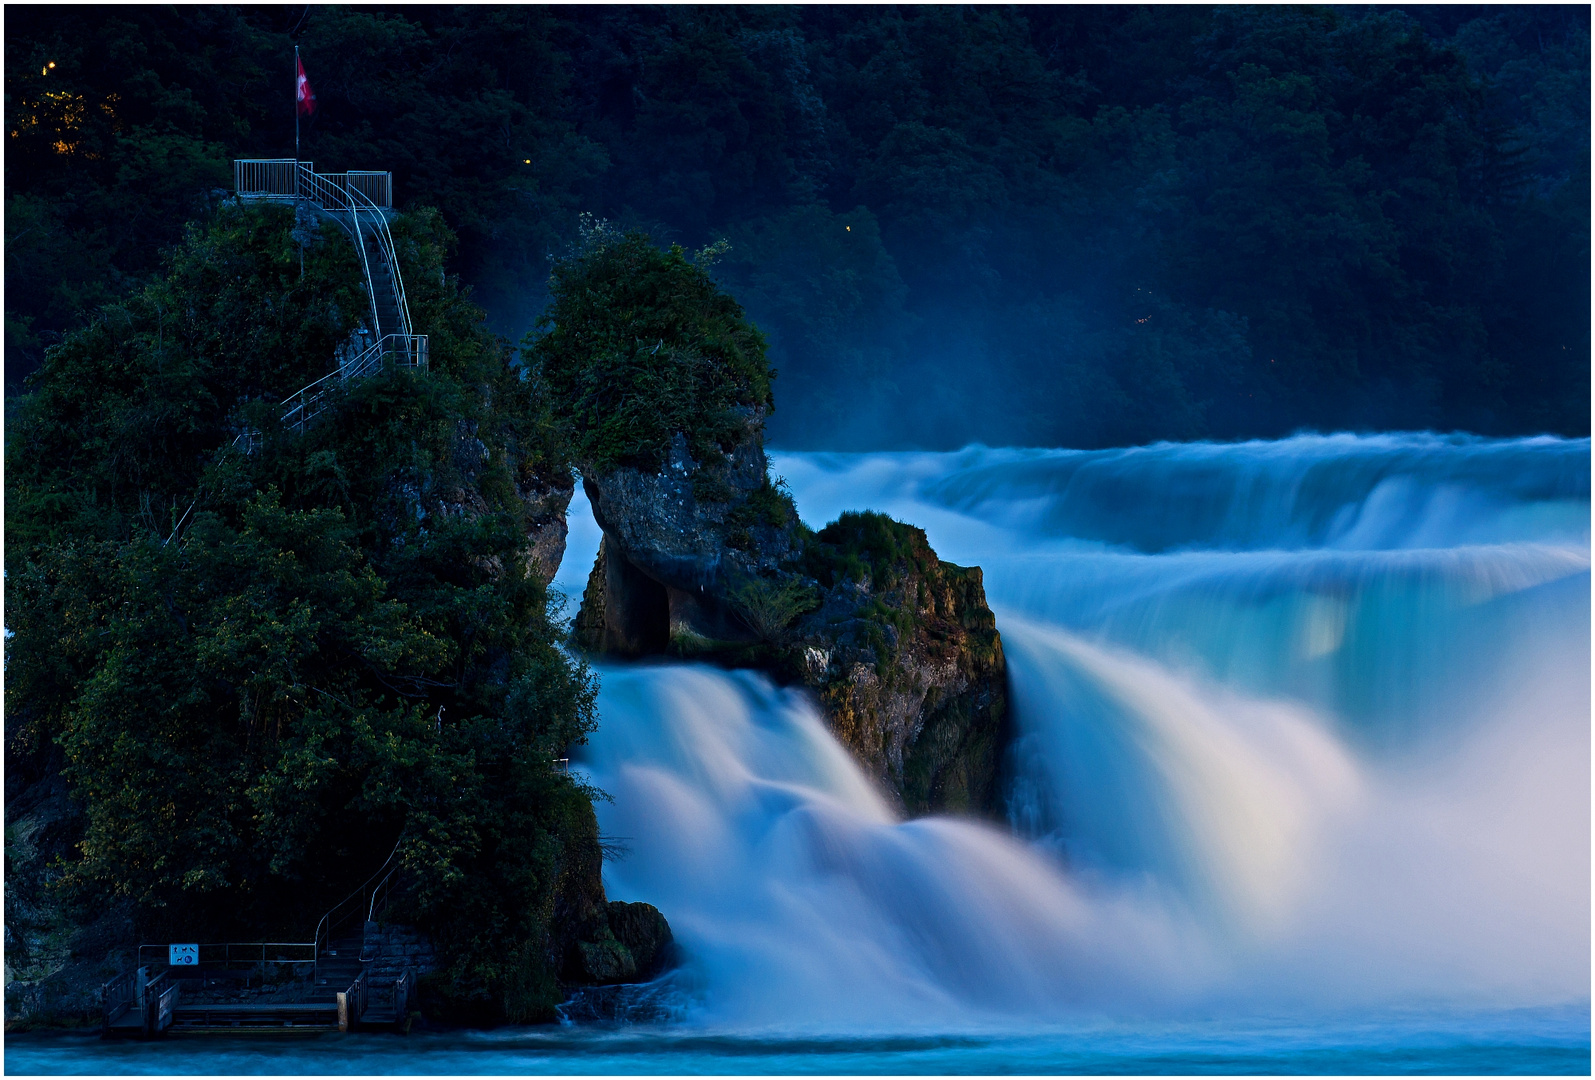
<point x="258" y="671"/>
<point x="641" y="345"/>
<point x="1082" y="225"/>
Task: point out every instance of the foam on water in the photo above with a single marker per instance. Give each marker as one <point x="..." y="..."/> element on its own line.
<point x="1302" y="783"/>
<point x="1302" y="724"/>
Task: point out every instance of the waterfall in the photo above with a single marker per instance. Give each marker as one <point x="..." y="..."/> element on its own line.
<point x="1301" y="723"/>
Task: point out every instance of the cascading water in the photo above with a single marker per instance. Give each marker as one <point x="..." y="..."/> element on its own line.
<point x="1302" y="784"/>
<point x="1302" y="724"/>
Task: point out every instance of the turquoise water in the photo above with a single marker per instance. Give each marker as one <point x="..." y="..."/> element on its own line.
<point x="1544" y="1041"/>
<point x="1302" y="785"/>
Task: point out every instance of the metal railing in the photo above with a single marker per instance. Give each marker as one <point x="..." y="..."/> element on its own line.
<point x="278" y="178"/>
<point x="363" y="197"/>
<point x="151" y="1001"/>
<point x="352" y="1003"/>
<point x="122" y="993"/>
<point x="233" y="953"/>
<point x="362" y="194"/>
<point x="324" y="191"/>
<point x="164" y="1008"/>
<point x="305" y="404"/>
<point x="403" y="990"/>
<point x="357" y="904"/>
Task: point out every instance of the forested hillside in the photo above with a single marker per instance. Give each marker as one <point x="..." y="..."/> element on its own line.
<point x="1047" y="225"/>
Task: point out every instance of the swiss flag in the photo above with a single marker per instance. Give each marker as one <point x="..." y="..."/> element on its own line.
<point x="305" y="95"/>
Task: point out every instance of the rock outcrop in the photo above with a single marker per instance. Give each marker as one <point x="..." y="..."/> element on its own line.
<point x="708" y="560"/>
<point x="673" y="539"/>
<point x="546" y="498"/>
<point x="904" y="656"/>
<point x="632" y="944"/>
<point x="55" y="959"/>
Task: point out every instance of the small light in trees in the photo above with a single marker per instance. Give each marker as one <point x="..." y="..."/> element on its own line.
<point x="850" y="228"/>
<point x="528" y="161"/>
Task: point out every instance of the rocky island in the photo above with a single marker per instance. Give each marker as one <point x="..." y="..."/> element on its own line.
<point x="343" y="648"/>
<point x="704" y="556"/>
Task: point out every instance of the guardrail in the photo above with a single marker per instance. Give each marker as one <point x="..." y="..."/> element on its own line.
<point x="279" y="178"/>
<point x="352" y="1003"/>
<point x="122" y="993"/>
<point x="305" y="404"/>
<point x="364" y="196"/>
<point x="232" y="953"/>
<point x="403" y="989"/>
<point x="135" y="1002"/>
<point x="361" y="193"/>
<point x="358" y="903"/>
<point x="163" y="1009"/>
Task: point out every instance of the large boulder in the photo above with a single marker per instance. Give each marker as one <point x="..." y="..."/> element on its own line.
<point x="629" y="943"/>
<point x="710" y="561"/>
<point x="674" y="541"/>
<point x="904" y="656"/>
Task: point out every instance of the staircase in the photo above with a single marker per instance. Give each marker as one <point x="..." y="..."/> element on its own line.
<point x="360" y="202"/>
<point x="385" y="291"/>
<point x="331" y="984"/>
<point x="337" y="968"/>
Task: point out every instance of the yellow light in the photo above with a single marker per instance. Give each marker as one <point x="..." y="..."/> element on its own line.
<point x="850" y="228"/>
<point x="528" y="161"/>
<point x="52" y="63"/>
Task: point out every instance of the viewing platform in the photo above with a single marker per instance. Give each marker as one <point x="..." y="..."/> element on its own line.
<point x="360" y="202"/>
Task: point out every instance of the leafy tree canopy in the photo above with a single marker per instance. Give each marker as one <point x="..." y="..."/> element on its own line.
<point x="260" y="670"/>
<point x="1078" y="225"/>
<point x="640" y="345"/>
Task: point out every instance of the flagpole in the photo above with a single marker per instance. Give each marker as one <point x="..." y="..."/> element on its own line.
<point x="296" y="120"/>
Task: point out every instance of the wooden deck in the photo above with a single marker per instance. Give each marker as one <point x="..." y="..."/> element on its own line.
<point x="255" y="1017"/>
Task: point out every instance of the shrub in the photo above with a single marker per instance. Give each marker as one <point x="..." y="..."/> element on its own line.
<point x="640" y="345"/>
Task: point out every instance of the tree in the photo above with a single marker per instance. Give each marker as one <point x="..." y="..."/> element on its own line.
<point x="260" y="671"/>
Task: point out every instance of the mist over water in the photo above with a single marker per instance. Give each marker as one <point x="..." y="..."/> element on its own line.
<point x="1303" y="726"/>
<point x="1301" y="784"/>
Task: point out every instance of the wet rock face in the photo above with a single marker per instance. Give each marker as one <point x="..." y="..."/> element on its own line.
<point x="909" y="671"/>
<point x="673" y="541"/>
<point x="546" y="499"/>
<point x="901" y="649"/>
<point x="630" y="943"/>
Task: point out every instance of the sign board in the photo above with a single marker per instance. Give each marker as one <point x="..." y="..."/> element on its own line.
<point x="182" y="955"/>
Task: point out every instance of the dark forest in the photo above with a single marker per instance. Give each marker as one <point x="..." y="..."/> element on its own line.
<point x="1070" y="226"/>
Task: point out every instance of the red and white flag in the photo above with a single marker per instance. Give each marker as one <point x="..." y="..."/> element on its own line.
<point x="305" y="96"/>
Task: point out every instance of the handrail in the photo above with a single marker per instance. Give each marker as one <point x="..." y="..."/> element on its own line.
<point x="352" y="1003"/>
<point x="381" y="891"/>
<point x="412" y="347"/>
<point x="164" y="1009"/>
<point x="124" y="988"/>
<point x="154" y="997"/>
<point x="330" y="195"/>
<point x="403" y="987"/>
<point x="274" y="178"/>
<point x="330" y="919"/>
<point x="253" y="951"/>
<point x="360" y="194"/>
<point x="390" y="253"/>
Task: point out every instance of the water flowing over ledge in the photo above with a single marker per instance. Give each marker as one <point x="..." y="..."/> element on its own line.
<point x="1303" y="725"/>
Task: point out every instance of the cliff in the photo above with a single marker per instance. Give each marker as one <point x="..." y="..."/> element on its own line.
<point x="220" y="720"/>
<point x="708" y="560"/>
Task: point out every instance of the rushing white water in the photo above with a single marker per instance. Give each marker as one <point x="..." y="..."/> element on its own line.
<point x="1303" y="724"/>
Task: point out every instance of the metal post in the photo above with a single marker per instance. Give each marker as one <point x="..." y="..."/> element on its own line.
<point x="296" y="120"/>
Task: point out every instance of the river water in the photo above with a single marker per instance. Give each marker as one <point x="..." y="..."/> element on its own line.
<point x="1301" y="784"/>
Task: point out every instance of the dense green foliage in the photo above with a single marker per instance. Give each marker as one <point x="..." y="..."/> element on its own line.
<point x="260" y="671"/>
<point x="1077" y="225"/>
<point x="640" y="345"/>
